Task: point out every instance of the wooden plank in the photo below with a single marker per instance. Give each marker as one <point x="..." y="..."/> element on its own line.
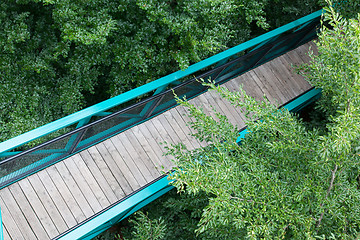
<point x="6" y="234"/>
<point x="83" y="185"/>
<point x="133" y="153"/>
<point x="38" y="208"/>
<point x="184" y="113"/>
<point x="284" y="78"/>
<point x="261" y="74"/>
<point x="303" y="52"/>
<point x="299" y="81"/>
<point x="124" y="185"/>
<point x="174" y="128"/>
<point x="91" y="181"/>
<point x="182" y="123"/>
<point x="16" y="214"/>
<point x="291" y="61"/>
<point x="208" y="100"/>
<point x="150" y="146"/>
<point x="168" y="139"/>
<point x="47" y="203"/>
<point x="112" y="188"/>
<point x="295" y="60"/>
<point x="247" y="85"/>
<point x="228" y="109"/>
<point x="115" y="185"/>
<point x="266" y="88"/>
<point x="283" y="70"/>
<point x="242" y="112"/>
<point x="74" y="189"/>
<point x="141" y="152"/>
<point x="280" y="83"/>
<point x="313" y="47"/>
<point x="28" y="211"/>
<point x="209" y="111"/>
<point x="9" y="223"/>
<point x="155" y="140"/>
<point x="140" y="142"/>
<point x="233" y="87"/>
<point x="57" y="198"/>
<point x="273" y="84"/>
<point x="66" y="194"/>
<point x="161" y="134"/>
<point x="251" y="88"/>
<point x="135" y="170"/>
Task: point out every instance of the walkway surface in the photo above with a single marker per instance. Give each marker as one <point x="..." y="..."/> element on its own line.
<point x="57" y="198"/>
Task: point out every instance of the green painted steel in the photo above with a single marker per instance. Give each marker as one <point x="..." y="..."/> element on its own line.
<point x="119" y="211"/>
<point x="1" y="227"/>
<point x="257" y="46"/>
<point x="152" y="86"/>
<point x="84" y="132"/>
<point x="152" y="191"/>
<point x="293" y="106"/>
<point x="303" y="100"/>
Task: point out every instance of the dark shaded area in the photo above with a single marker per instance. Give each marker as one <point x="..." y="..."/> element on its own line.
<point x="313" y="117"/>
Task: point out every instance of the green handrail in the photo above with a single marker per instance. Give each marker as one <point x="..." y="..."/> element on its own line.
<point x="223" y="67"/>
<point x="149" y="87"/>
<point x="125" y="207"/>
<point x="135" y="201"/>
<point x="1" y="227"/>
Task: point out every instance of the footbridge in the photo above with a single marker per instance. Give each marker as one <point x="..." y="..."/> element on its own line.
<point x="77" y="176"/>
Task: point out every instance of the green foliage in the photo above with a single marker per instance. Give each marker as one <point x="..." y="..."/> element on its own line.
<point x="284" y="181"/>
<point x="347" y="8"/>
<point x="336" y="70"/>
<point x="147" y="229"/>
<point x="58" y="56"/>
<point x="181" y="213"/>
<point x="174" y="215"/>
<point x="280" y="12"/>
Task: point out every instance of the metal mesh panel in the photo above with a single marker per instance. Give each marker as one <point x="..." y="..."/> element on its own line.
<point x="189" y="90"/>
<point x="102" y="126"/>
<point x="13" y="168"/>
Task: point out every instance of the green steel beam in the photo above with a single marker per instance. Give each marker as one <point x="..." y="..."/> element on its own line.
<point x="303" y="100"/>
<point x="156" y="189"/>
<point x="133" y="203"/>
<point x="8" y="154"/>
<point x="159" y="83"/>
<point x="89" y="228"/>
<point x="294" y="106"/>
<point x="1" y="228"/>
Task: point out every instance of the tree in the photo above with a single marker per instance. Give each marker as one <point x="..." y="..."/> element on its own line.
<point x="58" y="56"/>
<point x="284" y="181"/>
<point x="147" y="229"/>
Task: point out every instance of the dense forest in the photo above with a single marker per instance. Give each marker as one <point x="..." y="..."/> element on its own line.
<point x="59" y="56"/>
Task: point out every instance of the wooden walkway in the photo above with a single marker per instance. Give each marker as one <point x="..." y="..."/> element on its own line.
<point x="49" y="202"/>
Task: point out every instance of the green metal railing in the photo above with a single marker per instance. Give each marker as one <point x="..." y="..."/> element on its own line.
<point x="273" y="44"/>
<point x="120" y="210"/>
<point x="105" y="119"/>
<point x="1" y="227"/>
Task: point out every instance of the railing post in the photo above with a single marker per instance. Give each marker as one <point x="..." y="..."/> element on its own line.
<point x="1" y="227"/>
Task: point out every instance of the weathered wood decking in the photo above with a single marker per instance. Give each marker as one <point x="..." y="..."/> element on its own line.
<point x="51" y="201"/>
